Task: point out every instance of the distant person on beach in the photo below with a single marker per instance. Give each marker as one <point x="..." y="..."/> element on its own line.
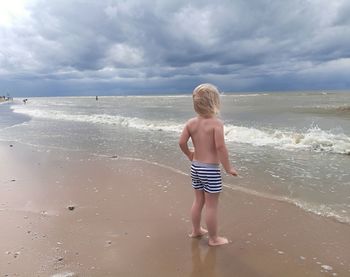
<point x="207" y="134"/>
<point x="96" y="97"/>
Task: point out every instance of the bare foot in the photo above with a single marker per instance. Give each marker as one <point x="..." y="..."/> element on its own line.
<point x="218" y="241"/>
<point x="199" y="234"/>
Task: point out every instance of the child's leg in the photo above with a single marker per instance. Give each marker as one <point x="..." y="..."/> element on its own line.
<point x="211" y="210"/>
<point x="196" y="213"/>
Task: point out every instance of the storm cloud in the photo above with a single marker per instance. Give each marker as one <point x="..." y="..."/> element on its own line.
<point x="63" y="47"/>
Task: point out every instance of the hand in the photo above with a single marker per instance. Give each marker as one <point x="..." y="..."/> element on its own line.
<point x="232" y="172"/>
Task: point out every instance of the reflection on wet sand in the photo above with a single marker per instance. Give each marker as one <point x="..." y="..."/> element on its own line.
<point x="203" y="259"/>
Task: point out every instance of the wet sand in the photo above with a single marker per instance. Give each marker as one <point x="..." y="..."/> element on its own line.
<point x="73" y="214"/>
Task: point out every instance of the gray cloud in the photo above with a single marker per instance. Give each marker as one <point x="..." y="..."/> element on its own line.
<point x="88" y="47"/>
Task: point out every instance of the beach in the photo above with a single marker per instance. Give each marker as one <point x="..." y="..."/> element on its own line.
<point x="70" y="213"/>
<point x="101" y="188"/>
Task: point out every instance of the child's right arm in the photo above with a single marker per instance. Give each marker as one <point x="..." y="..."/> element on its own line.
<point x="222" y="150"/>
<point x="185" y="135"/>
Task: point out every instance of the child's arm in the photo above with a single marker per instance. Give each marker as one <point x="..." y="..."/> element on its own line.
<point x="185" y="135"/>
<point x="222" y="150"/>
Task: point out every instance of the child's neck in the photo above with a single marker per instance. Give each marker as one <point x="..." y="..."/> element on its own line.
<point x="206" y="117"/>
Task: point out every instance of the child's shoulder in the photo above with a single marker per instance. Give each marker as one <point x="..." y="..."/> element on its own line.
<point x="191" y="120"/>
<point x="216" y="121"/>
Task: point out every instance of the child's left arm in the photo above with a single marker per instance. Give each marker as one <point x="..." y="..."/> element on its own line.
<point x="185" y="135"/>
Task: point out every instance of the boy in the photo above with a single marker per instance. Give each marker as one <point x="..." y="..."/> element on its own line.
<point x="207" y="134"/>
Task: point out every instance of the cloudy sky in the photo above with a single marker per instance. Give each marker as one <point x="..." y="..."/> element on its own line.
<point x="105" y="47"/>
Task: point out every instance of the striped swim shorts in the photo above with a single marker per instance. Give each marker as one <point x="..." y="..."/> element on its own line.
<point x="206" y="176"/>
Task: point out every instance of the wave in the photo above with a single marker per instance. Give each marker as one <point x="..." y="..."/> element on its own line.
<point x="313" y="139"/>
<point x="343" y="109"/>
<point x="322" y="210"/>
<point x="107" y="119"/>
<point x="244" y="95"/>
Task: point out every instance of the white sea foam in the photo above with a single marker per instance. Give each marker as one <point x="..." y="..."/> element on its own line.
<point x="16" y="125"/>
<point x="321" y="210"/>
<point x="318" y="209"/>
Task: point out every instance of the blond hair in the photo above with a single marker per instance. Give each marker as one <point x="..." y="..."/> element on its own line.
<point x="206" y="100"/>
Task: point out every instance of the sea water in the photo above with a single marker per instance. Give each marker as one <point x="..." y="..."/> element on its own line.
<point x="294" y="146"/>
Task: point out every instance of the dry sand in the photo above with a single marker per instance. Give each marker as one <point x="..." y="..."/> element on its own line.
<point x="131" y="218"/>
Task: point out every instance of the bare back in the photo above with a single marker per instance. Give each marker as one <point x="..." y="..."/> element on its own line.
<point x="202" y="133"/>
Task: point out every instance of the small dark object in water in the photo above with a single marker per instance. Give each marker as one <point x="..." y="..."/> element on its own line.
<point x="71" y="208"/>
<point x="11" y="145"/>
<point x="114" y="157"/>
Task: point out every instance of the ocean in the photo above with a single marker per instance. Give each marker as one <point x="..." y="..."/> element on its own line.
<point x="294" y="147"/>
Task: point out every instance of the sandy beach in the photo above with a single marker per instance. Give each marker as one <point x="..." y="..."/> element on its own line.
<point x="75" y="214"/>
